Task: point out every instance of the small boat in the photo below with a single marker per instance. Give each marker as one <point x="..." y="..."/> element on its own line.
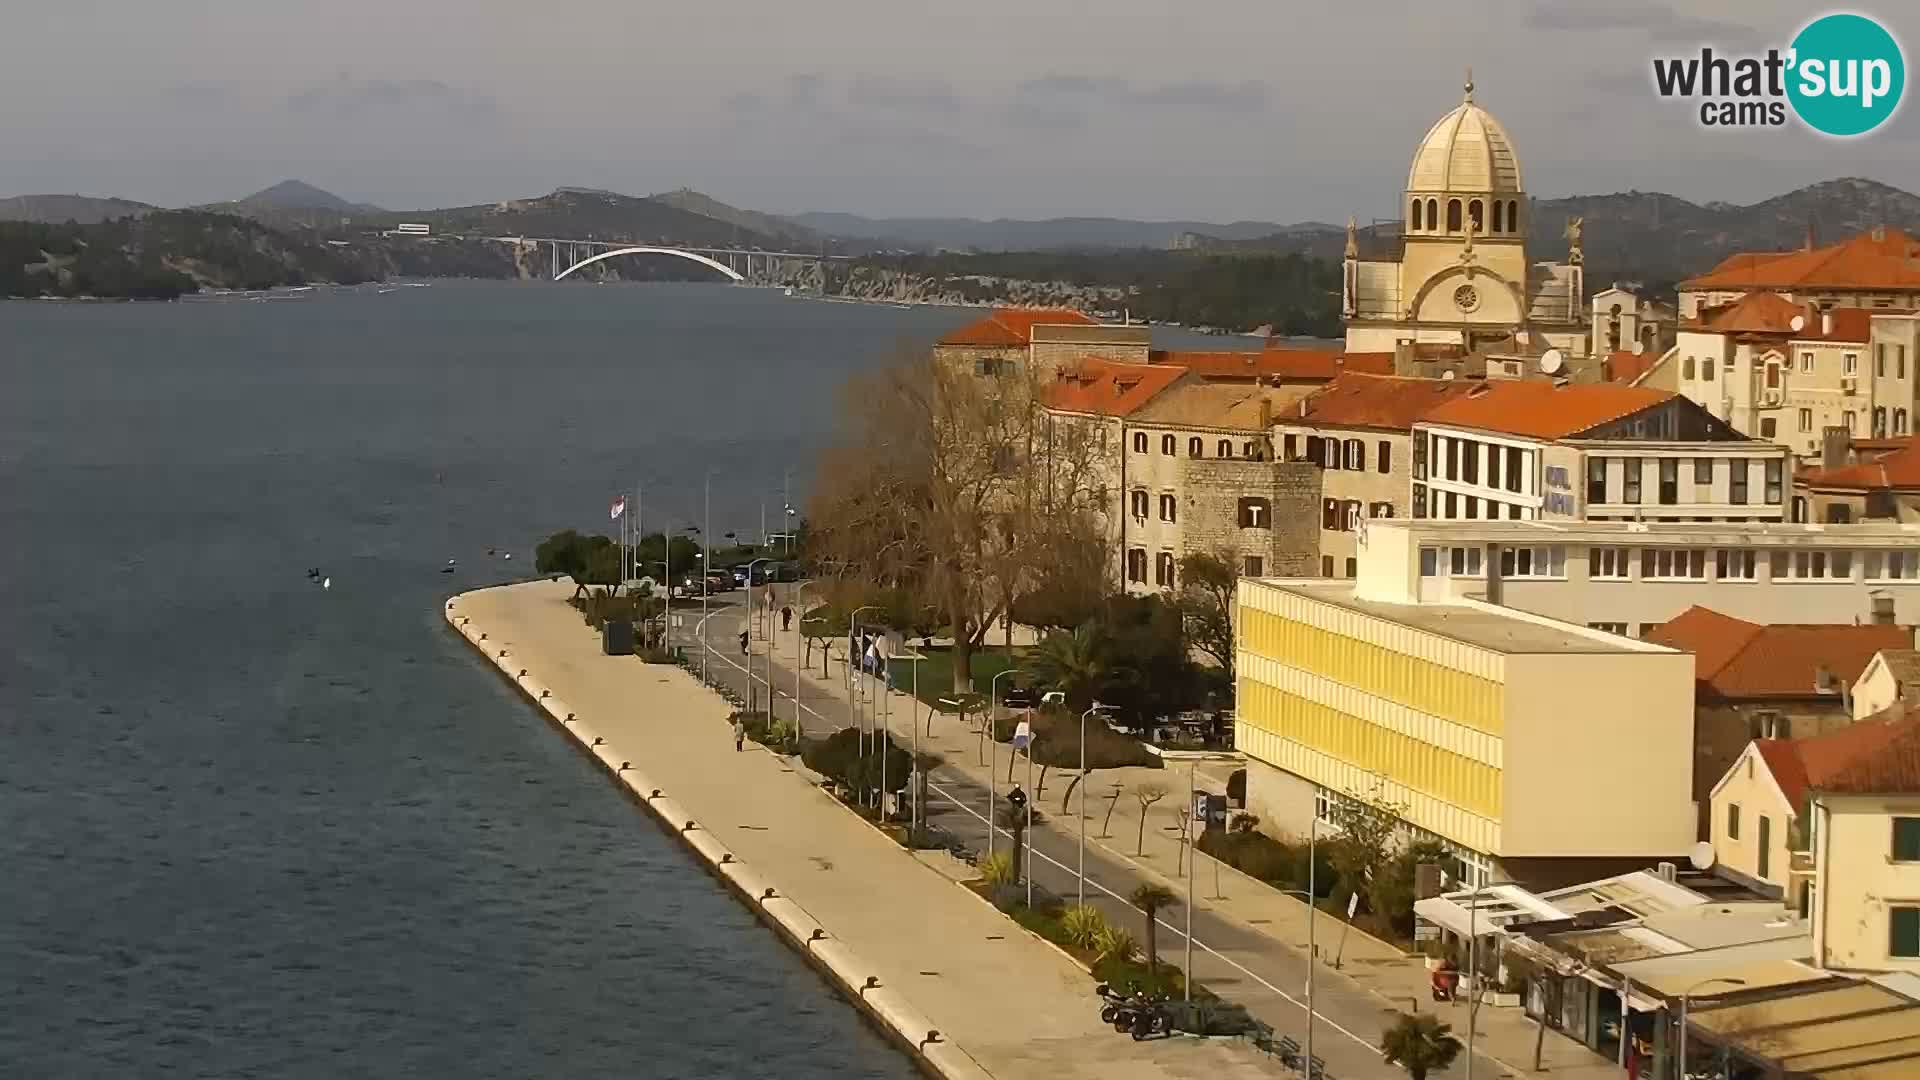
<point x="327" y="584"/>
<point x="447" y="569"/>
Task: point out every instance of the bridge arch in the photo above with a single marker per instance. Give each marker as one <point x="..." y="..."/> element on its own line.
<point x="701" y="259"/>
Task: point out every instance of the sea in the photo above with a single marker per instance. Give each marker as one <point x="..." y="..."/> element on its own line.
<point x="259" y="824"/>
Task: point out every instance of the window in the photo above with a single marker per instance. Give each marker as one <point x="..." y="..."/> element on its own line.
<point x="1250" y="451"/>
<point x="1846" y="421"/>
<point x="1385" y="458"/>
<point x="1673" y="564"/>
<point x="1880" y="360"/>
<point x="1773" y="377"/>
<point x="1476" y="215"/>
<point x="1669" y="481"/>
<point x="1688" y="372"/>
<point x="1768" y="426"/>
<point x="1224" y="448"/>
<point x="1139" y="442"/>
<point x="1326" y="566"/>
<point x="1433" y="213"/>
<point x="1903" y="931"/>
<point x="1899" y="361"/>
<point x="1806" y="419"/>
<point x="1538" y="562"/>
<point x="992" y="366"/>
<point x="1499" y="215"/>
<point x="1353" y="566"/>
<point x="1906" y="839"/>
<point x="1351" y="514"/>
<point x="1899" y="423"/>
<point x="1737" y="480"/>
<point x="1290" y="447"/>
<point x="1137" y="565"/>
<point x="1596" y="480"/>
<point x="1806" y="363"/>
<point x="1255" y="514"/>
<point x="1607" y="564"/>
<point x="1169" y="508"/>
<point x="1331" y="515"/>
<point x="1703" y="470"/>
<point x="1630" y="473"/>
<point x="1774" y="471"/>
<point x="1811" y="565"/>
<point x="1453" y="459"/>
<point x="1706" y="366"/>
<point x="1137" y="502"/>
<point x="1893" y="565"/>
<point x="1763" y="839"/>
<point x="1251" y="566"/>
<point x="1420" y="501"/>
<point x="1453" y="215"/>
<point x="1353" y="455"/>
<point x="1880" y="421"/>
<point x="1730" y="564"/>
<point x="1850" y="363"/>
<point x="1196" y="448"/>
<point x="1767" y="724"/>
<point x="1413" y="216"/>
<point x="1453" y="507"/>
<point x="1166" y="445"/>
<point x="1429" y="561"/>
<point x="1733" y="821"/>
<point x="1163" y="569"/>
<point x="1473" y="507"/>
<point x="1464" y="561"/>
<point x="1470" y="462"/>
<point x="1494" y="457"/>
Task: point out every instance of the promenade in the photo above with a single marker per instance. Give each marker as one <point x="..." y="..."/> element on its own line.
<point x="1012" y="1004"/>
<point x="1250" y="939"/>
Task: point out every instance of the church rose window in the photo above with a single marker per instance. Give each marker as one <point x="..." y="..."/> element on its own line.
<point x="1466" y="298"/>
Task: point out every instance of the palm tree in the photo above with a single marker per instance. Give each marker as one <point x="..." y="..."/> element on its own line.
<point x="1420" y="1043"/>
<point x="1150" y="899"/>
<point x="1073" y="663"/>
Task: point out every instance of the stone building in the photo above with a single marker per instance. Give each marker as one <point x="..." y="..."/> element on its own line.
<point x="1358" y="430"/>
<point x="1879" y="484"/>
<point x="1462" y="275"/>
<point x="1879" y="269"/>
<point x="1038" y="341"/>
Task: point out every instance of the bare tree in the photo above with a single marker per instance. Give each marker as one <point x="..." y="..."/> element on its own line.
<point x="1147" y="794"/>
<point x="1208" y="581"/>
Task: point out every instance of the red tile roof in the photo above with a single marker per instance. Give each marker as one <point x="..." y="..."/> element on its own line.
<point x="1109" y="387"/>
<point x="1754" y="313"/>
<point x="1388" y="402"/>
<point x="1013" y="326"/>
<point x="1542" y="410"/>
<point x="1738" y="660"/>
<point x="1889" y="470"/>
<point x="1272" y="362"/>
<point x="1848" y="324"/>
<point x="1880" y="259"/>
<point x="1624" y="367"/>
<point x="1874" y="756"/>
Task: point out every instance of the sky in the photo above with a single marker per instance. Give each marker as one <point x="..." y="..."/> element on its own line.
<point x="1212" y="110"/>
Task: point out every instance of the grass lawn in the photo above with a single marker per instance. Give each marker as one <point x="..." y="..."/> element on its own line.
<point x="936" y="672"/>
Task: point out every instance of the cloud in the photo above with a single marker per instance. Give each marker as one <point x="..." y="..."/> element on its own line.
<point x="347" y="96"/>
<point x="918" y="140"/>
<point x="1655" y="20"/>
<point x="744" y="104"/>
<point x="1199" y="94"/>
<point x="196" y="94"/>
<point x="803" y="90"/>
<point x="883" y="92"/>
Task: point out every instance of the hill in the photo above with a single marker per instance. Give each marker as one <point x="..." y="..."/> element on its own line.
<point x="580" y="214"/>
<point x="296" y="204"/>
<point x="1009" y="234"/>
<point x="83" y="209"/>
<point x="164" y="254"/>
<point x="694" y="202"/>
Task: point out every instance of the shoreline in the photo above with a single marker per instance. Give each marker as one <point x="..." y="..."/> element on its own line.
<point x="896" y="1018"/>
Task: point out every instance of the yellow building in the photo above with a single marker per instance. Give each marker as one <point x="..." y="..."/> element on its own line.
<point x="1514" y="739"/>
<point x="1462" y="276"/>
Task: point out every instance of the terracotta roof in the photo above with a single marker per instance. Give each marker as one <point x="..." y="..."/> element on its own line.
<point x="1849" y="324"/>
<point x="1754" y="313"/>
<point x="1386" y="402"/>
<point x="1013" y="326"/>
<point x="1896" y="469"/>
<point x="1540" y="409"/>
<point x="1109" y="387"/>
<point x="1738" y="660"/>
<point x="1880" y="259"/>
<point x="1624" y="367"/>
<point x="1874" y="756"/>
<point x="1272" y="362"/>
<point x="1220" y="405"/>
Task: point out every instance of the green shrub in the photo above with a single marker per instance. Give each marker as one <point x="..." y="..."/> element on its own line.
<point x="1116" y="944"/>
<point x="1083" y="925"/>
<point x="997" y="868"/>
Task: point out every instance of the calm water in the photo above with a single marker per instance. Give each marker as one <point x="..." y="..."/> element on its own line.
<point x="253" y="828"/>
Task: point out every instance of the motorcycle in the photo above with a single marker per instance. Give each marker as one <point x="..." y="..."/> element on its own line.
<point x="1446" y="982"/>
<point x="1110" y="1003"/>
<point x="1153" y="1021"/>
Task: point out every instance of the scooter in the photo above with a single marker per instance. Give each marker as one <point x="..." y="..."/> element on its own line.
<point x="1153" y="1021"/>
<point x="1110" y="1003"/>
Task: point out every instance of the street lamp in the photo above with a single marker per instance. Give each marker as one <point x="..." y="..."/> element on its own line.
<point x="993" y="729"/>
<point x="1473" y="960"/>
<point x="750" y="567"/>
<point x="706" y="570"/>
<point x="1097" y="708"/>
<point x="1312" y="953"/>
<point x="1683" y="1015"/>
<point x="853" y="716"/>
<point x="799" y="630"/>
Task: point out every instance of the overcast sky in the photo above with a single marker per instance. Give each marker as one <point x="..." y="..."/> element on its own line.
<point x="1279" y="110"/>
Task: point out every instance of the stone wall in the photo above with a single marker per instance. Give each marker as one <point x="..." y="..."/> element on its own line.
<point x="1289" y="544"/>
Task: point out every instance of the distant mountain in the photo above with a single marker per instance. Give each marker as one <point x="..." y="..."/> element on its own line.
<point x="300" y="195"/>
<point x="1007" y="234"/>
<point x="84" y="209"/>
<point x="694" y="202"/>
<point x="582" y="214"/>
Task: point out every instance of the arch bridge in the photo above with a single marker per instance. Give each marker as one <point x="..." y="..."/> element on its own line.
<point x="738" y="265"/>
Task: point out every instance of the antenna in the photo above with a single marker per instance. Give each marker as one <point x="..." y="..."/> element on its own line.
<point x="1552" y="361"/>
<point x="1797" y="323"/>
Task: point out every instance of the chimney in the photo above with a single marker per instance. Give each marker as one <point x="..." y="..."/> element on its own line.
<point x="1826" y="322"/>
<point x="1823" y="680"/>
<point x="1266" y="412"/>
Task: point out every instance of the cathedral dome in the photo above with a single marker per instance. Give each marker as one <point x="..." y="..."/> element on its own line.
<point x="1466" y="151"/>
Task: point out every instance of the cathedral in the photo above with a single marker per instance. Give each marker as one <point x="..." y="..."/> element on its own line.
<point x="1462" y="278"/>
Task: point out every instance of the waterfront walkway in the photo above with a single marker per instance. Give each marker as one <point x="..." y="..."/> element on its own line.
<point x="1016" y="1005"/>
<point x="1250" y="939"/>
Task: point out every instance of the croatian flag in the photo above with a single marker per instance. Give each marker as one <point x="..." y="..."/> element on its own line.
<point x="619" y="507"/>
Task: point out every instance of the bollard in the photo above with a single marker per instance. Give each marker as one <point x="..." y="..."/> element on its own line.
<point x="570" y="718"/>
<point x="544" y="694"/>
<point x="726" y="857"/>
<point x="597" y="740"/>
<point x="817" y="935"/>
<point x="933" y="1036"/>
<point x="654" y="794"/>
<point x="872" y="983"/>
<point x="624" y="766"/>
<point x="768" y="894"/>
<point x="523" y="671"/>
<point x="690" y="826"/>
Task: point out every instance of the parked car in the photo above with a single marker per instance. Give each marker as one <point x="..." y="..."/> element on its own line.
<point x="720" y="580"/>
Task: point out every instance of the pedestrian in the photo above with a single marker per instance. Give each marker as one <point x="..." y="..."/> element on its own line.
<point x="739" y="734"/>
<point x="786" y="619"/>
<point x="743" y="643"/>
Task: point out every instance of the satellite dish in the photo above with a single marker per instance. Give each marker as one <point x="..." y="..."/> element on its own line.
<point x="1701" y="856"/>
<point x="1797" y="323"/>
<point x="1446" y="376"/>
<point x="1639" y="348"/>
<point x="1552" y="361"/>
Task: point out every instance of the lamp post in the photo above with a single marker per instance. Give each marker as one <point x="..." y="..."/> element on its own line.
<point x="799" y="630"/>
<point x="1473" y="960"/>
<point x="853" y="716"/>
<point x="1682" y="1070"/>
<point x="992" y="729"/>
<point x="1097" y="708"/>
<point x="706" y="570"/>
<point x="750" y="567"/>
<point x="1312" y="951"/>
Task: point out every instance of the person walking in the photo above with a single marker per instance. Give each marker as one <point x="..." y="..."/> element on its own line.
<point x="786" y="619"/>
<point x="739" y="734"/>
<point x="744" y="647"/>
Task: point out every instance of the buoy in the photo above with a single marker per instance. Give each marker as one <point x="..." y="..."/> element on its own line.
<point x="327" y="584"/>
<point x="508" y="555"/>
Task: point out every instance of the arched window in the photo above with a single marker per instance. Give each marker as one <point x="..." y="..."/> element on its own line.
<point x="1513" y="215"/>
<point x="1196" y="448"/>
<point x="1224" y="449"/>
<point x="1139" y="442"/>
<point x="1413" y="215"/>
<point x="1476" y="213"/>
<point x="1499" y="215"/>
<point x="1166" y="445"/>
<point x="1453" y="215"/>
<point x="1433" y="214"/>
